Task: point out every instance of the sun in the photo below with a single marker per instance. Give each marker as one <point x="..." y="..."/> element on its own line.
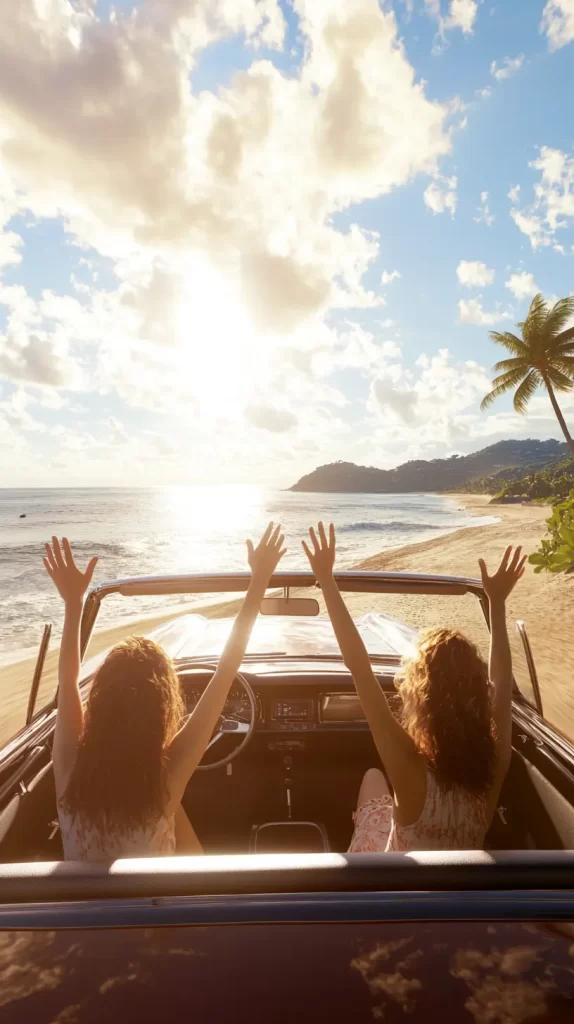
<point x="218" y="348"/>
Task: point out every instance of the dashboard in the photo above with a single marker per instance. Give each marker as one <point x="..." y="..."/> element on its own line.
<point x="298" y="703"/>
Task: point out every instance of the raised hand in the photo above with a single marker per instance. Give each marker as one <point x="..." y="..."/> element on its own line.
<point x="70" y="581"/>
<point x="322" y="557"/>
<point x="502" y="582"/>
<point x="265" y="558"/>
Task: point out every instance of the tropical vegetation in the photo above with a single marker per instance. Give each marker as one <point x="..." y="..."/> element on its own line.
<point x="552" y="483"/>
<point x="542" y="357"/>
<point x="556" y="552"/>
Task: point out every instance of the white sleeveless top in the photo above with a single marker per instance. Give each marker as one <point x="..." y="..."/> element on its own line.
<point x="450" y="820"/>
<point x="84" y="842"/>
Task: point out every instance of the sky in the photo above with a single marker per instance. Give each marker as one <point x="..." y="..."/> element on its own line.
<point x="243" y="238"/>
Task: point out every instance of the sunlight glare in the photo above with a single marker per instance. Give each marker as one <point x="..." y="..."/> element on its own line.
<point x="203" y="509"/>
<point x="217" y="340"/>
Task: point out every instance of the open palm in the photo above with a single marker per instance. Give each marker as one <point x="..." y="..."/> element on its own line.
<point x="264" y="559"/>
<point x="322" y="557"/>
<point x="70" y="581"/>
<point x="511" y="568"/>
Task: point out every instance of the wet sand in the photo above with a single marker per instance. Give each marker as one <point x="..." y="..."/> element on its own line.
<point x="545" y="602"/>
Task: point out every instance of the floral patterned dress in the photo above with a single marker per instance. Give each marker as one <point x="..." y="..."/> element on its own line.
<point x="83" y="842"/>
<point x="450" y="820"/>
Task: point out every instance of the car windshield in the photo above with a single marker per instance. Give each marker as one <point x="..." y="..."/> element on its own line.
<point x="198" y="625"/>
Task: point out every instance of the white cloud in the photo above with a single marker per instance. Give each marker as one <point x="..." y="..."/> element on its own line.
<point x="470" y="311"/>
<point x="36" y="359"/>
<point x="508" y="67"/>
<point x="484" y="216"/>
<point x="222" y="272"/>
<point x="558" y="23"/>
<point x="485" y="93"/>
<point x="553" y="206"/>
<point x="400" y="401"/>
<point x="14" y="412"/>
<point x="462" y="14"/>
<point x="268" y="417"/>
<point x="93" y="99"/>
<point x="441" y="195"/>
<point x="265" y="24"/>
<point x="514" y="194"/>
<point x="427" y="402"/>
<point x="522" y="285"/>
<point x="10" y="244"/>
<point x="32" y="347"/>
<point x="388" y="276"/>
<point x="118" y="433"/>
<point x="474" y="274"/>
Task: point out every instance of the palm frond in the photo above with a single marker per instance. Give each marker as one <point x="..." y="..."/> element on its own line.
<point x="538" y="306"/>
<point x="506" y="382"/>
<point x="565" y="338"/>
<point x="558" y="317"/>
<point x="510" y="379"/>
<point x="561" y="381"/>
<point x="491" y="397"/>
<point x="526" y="390"/>
<point x="565" y="364"/>
<point x="516" y="363"/>
<point x="533" y="326"/>
<point x="511" y="342"/>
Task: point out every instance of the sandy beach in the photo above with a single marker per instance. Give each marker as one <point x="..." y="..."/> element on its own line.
<point x="545" y="603"/>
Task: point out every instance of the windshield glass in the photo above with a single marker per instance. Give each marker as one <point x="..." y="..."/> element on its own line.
<point x="388" y="623"/>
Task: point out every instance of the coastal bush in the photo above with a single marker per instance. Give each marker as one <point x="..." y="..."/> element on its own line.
<point x="553" y="483"/>
<point x="556" y="552"/>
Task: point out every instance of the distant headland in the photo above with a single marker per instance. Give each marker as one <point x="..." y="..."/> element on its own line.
<point x="435" y="475"/>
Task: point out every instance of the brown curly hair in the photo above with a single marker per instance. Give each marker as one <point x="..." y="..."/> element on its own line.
<point x="134" y="709"/>
<point x="447" y="710"/>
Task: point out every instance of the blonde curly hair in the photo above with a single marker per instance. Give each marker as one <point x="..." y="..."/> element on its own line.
<point x="447" y="710"/>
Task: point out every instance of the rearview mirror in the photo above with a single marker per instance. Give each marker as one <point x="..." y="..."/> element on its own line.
<point x="289" y="606"/>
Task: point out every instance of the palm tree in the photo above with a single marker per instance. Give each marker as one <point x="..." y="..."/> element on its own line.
<point x="543" y="357"/>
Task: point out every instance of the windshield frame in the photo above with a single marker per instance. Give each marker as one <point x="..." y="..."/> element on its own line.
<point x="225" y="583"/>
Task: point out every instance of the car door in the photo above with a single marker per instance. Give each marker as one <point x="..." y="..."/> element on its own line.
<point x="473" y="952"/>
<point x="539" y="790"/>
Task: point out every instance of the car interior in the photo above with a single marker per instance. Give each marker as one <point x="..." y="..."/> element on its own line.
<point x="283" y="770"/>
<point x="293" y="785"/>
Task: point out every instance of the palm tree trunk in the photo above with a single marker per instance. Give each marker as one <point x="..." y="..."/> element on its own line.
<point x="559" y="416"/>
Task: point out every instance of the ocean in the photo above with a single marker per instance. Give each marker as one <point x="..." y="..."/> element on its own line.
<point x="183" y="529"/>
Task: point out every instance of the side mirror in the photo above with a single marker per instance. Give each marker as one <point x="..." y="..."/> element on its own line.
<point x="302" y="606"/>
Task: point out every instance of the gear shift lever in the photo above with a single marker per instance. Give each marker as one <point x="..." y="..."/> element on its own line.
<point x="288" y="764"/>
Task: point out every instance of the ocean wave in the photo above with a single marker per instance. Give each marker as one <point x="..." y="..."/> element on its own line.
<point x="393" y="527"/>
<point x="81" y="548"/>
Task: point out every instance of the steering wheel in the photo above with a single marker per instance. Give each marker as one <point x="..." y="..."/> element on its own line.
<point x="228" y="724"/>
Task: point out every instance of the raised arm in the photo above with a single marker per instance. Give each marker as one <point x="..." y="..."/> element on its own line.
<point x="190" y="744"/>
<point x="394" y="745"/>
<point x="71" y="584"/>
<point x="497" y="588"/>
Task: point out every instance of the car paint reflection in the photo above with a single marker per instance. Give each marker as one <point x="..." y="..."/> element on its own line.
<point x="500" y="973"/>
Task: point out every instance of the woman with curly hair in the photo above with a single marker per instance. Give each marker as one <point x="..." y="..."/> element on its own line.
<point x="122" y="762"/>
<point x="447" y="761"/>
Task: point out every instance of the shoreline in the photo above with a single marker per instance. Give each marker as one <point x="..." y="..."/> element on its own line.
<point x="545" y="602"/>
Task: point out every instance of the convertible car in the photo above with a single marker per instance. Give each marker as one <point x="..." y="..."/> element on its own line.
<point x="277" y="922"/>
